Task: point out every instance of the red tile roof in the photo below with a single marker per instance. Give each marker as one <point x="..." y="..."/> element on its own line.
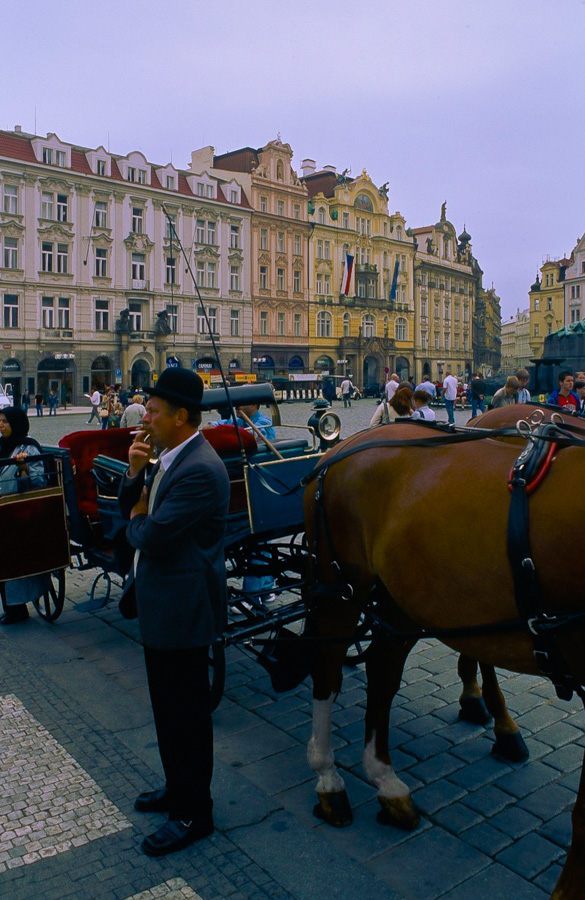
<point x="243" y="160"/>
<point x="16" y="147"/>
<point x="323" y="182"/>
<point x="79" y="162"/>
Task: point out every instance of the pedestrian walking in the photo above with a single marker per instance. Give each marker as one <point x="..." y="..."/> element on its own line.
<point x="450" y="395"/>
<point x="39" y="401"/>
<point x="177" y="523"/>
<point x="25" y="400"/>
<point x="477" y="389"/>
<point x="346" y="391"/>
<point x="95" y="401"/>
<point x="53" y="403"/>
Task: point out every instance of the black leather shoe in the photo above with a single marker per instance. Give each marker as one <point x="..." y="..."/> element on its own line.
<point x="14" y="614"/>
<point x="152" y="801"/>
<point x="175" y="835"/>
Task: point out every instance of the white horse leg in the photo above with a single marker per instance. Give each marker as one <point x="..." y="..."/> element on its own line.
<point x="393" y="794"/>
<point x="333" y="803"/>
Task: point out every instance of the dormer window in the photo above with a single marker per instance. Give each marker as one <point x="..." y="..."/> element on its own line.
<point x="200" y="189"/>
<point x="47" y="156"/>
<point x="60" y="158"/>
<point x="101" y="167"/>
<point x="141" y="176"/>
<point x="170" y="182"/>
<point x="131" y="173"/>
<point x="233" y="196"/>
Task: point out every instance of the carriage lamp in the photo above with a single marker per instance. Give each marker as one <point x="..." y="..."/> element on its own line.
<point x="326" y="425"/>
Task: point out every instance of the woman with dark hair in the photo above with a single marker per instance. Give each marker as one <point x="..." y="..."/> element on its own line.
<point x="14" y="478"/>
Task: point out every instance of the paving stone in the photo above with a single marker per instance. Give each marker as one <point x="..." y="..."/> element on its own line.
<point x="440" y="766"/>
<point x="435" y="796"/>
<point x="486" y="838"/>
<point x="493" y="883"/>
<point x="489" y="800"/>
<point x="515" y="821"/>
<point x="530" y="855"/>
<point x="427" y="746"/>
<point x="548" y="801"/>
<point x="527" y="779"/>
<point x="457" y="818"/>
<point x="252" y="744"/>
<point x="559" y="829"/>
<point x="480" y="773"/>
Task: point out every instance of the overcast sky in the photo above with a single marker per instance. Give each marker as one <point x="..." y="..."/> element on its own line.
<point x="478" y="103"/>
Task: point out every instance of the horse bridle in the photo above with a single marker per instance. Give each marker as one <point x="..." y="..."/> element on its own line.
<point x="542" y="627"/>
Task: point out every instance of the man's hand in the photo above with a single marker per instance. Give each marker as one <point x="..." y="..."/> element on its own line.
<point x="138" y="454"/>
<point x="141" y="507"/>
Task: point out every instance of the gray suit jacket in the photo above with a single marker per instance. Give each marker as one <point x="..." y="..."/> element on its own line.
<point x="180" y="582"/>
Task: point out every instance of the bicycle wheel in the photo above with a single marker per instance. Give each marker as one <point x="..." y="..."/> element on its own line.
<point x="216" y="674"/>
<point x="50" y="604"/>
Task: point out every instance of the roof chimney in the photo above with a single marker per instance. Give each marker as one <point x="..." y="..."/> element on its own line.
<point x="309" y="167"/>
<point x="330" y="169"/>
<point x="18" y="129"/>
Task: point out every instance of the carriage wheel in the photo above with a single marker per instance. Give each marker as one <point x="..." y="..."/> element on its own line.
<point x="216" y="674"/>
<point x="356" y="652"/>
<point x="50" y="604"/>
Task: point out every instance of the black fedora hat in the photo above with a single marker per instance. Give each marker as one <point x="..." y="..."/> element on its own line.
<point x="181" y="387"/>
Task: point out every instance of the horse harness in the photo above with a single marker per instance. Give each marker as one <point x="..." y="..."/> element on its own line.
<point x="527" y="473"/>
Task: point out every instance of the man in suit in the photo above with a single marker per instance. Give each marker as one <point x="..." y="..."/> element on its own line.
<point x="177" y="522"/>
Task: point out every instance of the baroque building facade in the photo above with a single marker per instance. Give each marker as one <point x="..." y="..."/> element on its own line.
<point x="367" y="331"/>
<point x="447" y="283"/>
<point x="547" y="303"/>
<point x="93" y="286"/>
<point x="487" y="338"/>
<point x="279" y="253"/>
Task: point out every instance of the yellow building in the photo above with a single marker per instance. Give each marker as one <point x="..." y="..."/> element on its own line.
<point x="547" y="303"/>
<point x="369" y="330"/>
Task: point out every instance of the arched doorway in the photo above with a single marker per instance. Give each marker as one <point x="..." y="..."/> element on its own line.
<point x="140" y="374"/>
<point x="426" y="372"/>
<point x="101" y="373"/>
<point x="296" y="364"/>
<point x="324" y="363"/>
<point x="12" y="379"/>
<point x="265" y="366"/>
<point x="371" y="370"/>
<point x="402" y="368"/>
<point x="54" y="374"/>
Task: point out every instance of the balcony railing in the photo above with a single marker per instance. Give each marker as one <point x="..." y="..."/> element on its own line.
<point x="140" y="284"/>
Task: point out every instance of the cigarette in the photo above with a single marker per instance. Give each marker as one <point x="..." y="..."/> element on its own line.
<point x="145" y="439"/>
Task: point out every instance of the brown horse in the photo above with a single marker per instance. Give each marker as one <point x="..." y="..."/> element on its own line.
<point x="374" y="505"/>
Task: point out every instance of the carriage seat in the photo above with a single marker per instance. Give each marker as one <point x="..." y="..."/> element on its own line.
<point x="84" y="446"/>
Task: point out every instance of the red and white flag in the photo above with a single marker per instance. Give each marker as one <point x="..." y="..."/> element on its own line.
<point x="347" y="273"/>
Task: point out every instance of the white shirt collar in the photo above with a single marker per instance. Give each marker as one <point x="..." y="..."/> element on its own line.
<point x="168" y="457"/>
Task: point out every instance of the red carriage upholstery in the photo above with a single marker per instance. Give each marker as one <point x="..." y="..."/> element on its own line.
<point x="224" y="440"/>
<point x="84" y="446"/>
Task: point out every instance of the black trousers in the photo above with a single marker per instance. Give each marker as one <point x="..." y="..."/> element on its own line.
<point x="178" y="681"/>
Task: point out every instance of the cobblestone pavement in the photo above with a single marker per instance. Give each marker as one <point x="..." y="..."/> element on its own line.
<point x="77" y="744"/>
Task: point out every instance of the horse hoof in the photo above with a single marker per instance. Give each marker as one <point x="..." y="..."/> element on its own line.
<point x="473" y="709"/>
<point x="398" y="811"/>
<point x="510" y="747"/>
<point x="334" y="809"/>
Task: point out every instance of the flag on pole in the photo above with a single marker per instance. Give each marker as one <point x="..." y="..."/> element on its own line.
<point x="394" y="281"/>
<point x="347" y="273"/>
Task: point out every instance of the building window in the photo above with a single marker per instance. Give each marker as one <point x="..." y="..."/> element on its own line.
<point x="345" y="220"/>
<point x="10" y="199"/>
<point x="201" y="323"/>
<point x="234" y="236"/>
<point x="280" y="208"/>
<point x="327" y="284"/>
<point x="423" y="306"/>
<point x="234" y="278"/>
<point x="424" y="340"/>
<point x="549" y="328"/>
<point x="280" y="242"/>
<point x="131" y="173"/>
<point x="213" y="320"/>
<point x="47" y="156"/>
<point x="263" y="204"/>
<point x="297" y="245"/>
<point x="233" y="196"/>
<point x="436" y="310"/>
<point x="138" y="267"/>
<point x="63" y="313"/>
<point x="209" y="191"/>
<point x="101" y="214"/>
<point x="102" y="315"/>
<point x="537" y="329"/>
<point x="62" y="207"/>
<point x="575" y="291"/>
<point x="173" y="316"/>
<point x="201" y="273"/>
<point x="235" y="322"/>
<point x="361" y="289"/>
<point x="321" y="215"/>
<point x="171" y="270"/>
<point x="46" y="257"/>
<point x="101" y="167"/>
<point x="436" y="340"/>
<point x="137" y="219"/>
<point x="297" y="325"/>
<point x="135" y="309"/>
<point x="211" y="233"/>
<point x="60" y="158"/>
<point x="48" y="312"/>
<point x="369" y="326"/>
<point x="536" y="304"/>
<point x="296" y="281"/>
<point x="549" y="302"/>
<point x="319" y="283"/>
<point x="280" y="279"/>
<point x="62" y="259"/>
<point x="46" y="205"/>
<point x="279" y="171"/>
<point x="575" y="314"/>
<point x="10" y="253"/>
<point x="447" y="339"/>
<point x="263" y="239"/>
<point x="170" y="182"/>
<point x="101" y="263"/>
<point x="327" y="250"/>
<point x="211" y="276"/>
<point x="264" y="322"/>
<point x="401" y="329"/>
<point x="319" y="249"/>
<point x="323" y="324"/>
<point x="200" y="231"/>
<point x="141" y="176"/>
<point x="346" y="323"/>
<point x="297" y="211"/>
<point x="280" y="324"/>
<point x="10" y="311"/>
<point x="264" y="277"/>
